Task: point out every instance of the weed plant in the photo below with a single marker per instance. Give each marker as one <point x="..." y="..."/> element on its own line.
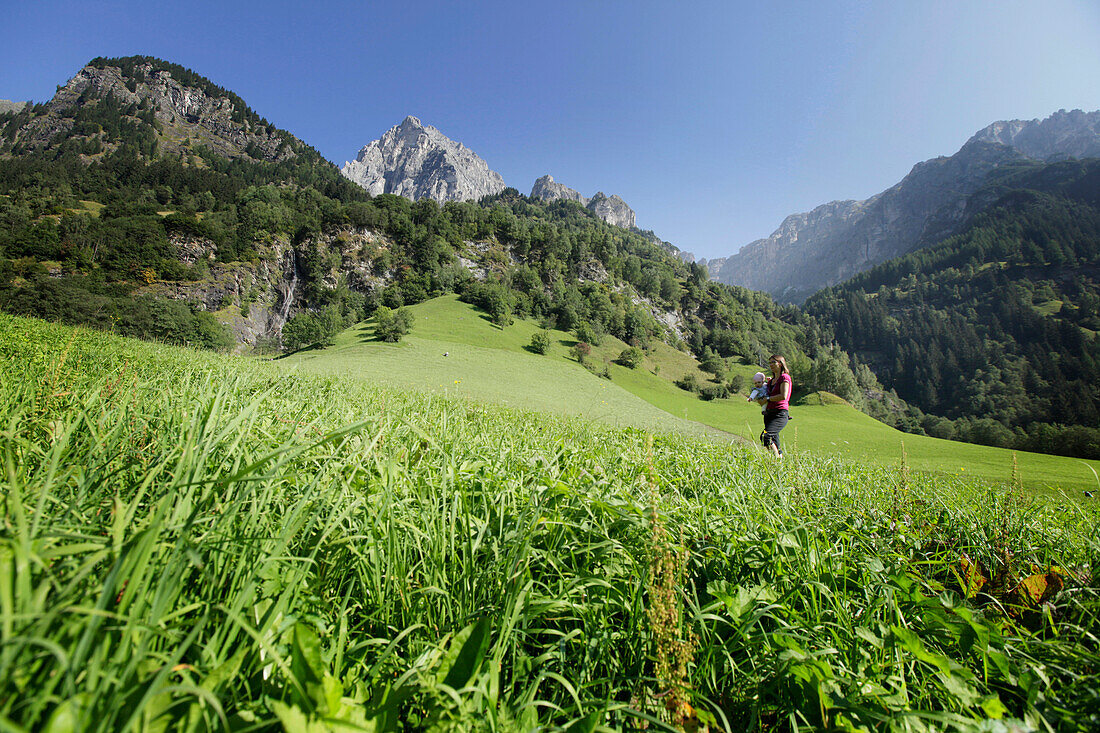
<point x="196" y="542"/>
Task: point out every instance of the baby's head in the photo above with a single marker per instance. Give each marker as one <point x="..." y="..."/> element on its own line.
<point x="758" y="379"/>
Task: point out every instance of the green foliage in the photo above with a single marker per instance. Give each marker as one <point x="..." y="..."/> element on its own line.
<point x="714" y="392"/>
<point x="309" y="328"/>
<point x="580" y="351"/>
<point x="711" y="362"/>
<point x="540" y="342"/>
<point x="587" y="332"/>
<point x="688" y="382"/>
<point x="391" y="325"/>
<point x="966" y="329"/>
<point x="631" y="357"/>
<point x="85" y="302"/>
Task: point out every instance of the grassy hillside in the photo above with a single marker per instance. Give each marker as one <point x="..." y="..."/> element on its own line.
<point x="491" y="364"/>
<point x="199" y="542"/>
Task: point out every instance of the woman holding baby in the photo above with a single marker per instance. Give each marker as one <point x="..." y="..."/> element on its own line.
<point x="775" y="398"/>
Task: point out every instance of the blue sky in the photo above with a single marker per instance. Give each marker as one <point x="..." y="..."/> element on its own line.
<point x="713" y="120"/>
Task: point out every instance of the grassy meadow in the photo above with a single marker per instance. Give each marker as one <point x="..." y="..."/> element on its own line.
<point x="198" y="542"/>
<point x="487" y="363"/>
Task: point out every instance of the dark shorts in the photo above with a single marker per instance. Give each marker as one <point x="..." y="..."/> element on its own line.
<point x="774" y="421"/>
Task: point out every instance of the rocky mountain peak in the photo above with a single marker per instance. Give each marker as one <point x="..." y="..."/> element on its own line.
<point x="838" y="240"/>
<point x="1074" y="134"/>
<point x="181" y="108"/>
<point x="611" y="209"/>
<point x="417" y="161"/>
<point x="547" y="189"/>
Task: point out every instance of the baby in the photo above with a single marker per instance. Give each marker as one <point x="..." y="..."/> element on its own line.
<point x="759" y="389"/>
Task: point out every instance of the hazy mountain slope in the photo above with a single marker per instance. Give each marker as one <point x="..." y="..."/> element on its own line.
<point x="837" y="240"/>
<point x="994" y="328"/>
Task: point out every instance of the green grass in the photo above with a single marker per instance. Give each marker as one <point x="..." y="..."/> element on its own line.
<point x="491" y="364"/>
<point x="197" y="542"/>
<point x="1049" y="307"/>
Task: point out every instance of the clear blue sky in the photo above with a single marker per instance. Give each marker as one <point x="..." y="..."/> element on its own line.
<point x="713" y="120"/>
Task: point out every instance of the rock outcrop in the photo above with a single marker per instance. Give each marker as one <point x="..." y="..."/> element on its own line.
<point x="1064" y="134"/>
<point x="187" y="113"/>
<point x="9" y="106"/>
<point x="835" y="241"/>
<point x="547" y="189"/>
<point x="611" y="209"/>
<point x="417" y="161"/>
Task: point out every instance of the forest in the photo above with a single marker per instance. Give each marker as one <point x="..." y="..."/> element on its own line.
<point x="992" y="332"/>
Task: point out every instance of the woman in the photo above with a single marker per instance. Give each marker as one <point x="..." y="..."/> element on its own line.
<point x="776" y="404"/>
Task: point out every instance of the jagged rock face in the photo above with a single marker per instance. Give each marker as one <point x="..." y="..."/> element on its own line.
<point x="611" y="209"/>
<point x="547" y="189"/>
<point x="186" y="115"/>
<point x="256" y="298"/>
<point x="418" y="161"/>
<point x="9" y="106"/>
<point x="840" y="239"/>
<point x="1064" y="134"/>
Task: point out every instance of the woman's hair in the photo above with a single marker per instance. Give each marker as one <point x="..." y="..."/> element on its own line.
<point x="782" y="363"/>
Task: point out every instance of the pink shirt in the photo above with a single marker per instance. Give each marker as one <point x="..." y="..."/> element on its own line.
<point x="775" y="386"/>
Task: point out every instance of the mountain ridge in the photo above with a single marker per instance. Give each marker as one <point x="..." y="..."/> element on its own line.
<point x="840" y="239"/>
<point x="611" y="209"/>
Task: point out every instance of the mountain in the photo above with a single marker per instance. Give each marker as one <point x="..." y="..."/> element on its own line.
<point x="158" y="106"/>
<point x="840" y="239"/>
<point x="417" y="161"/>
<point x="9" y="106"/>
<point x="611" y="209"/>
<point x="1064" y="134"/>
<point x="144" y="195"/>
<point x="992" y="332"/>
<point x="146" y="200"/>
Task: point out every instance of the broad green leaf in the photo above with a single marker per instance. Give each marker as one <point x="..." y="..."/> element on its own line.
<point x="465" y="654"/>
<point x="993" y="707"/>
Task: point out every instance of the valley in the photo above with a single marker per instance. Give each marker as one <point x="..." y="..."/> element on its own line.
<point x="541" y="504"/>
<point x="488" y="364"/>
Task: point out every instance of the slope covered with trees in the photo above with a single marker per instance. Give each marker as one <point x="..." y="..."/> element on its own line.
<point x="993" y="332"/>
<point x="104" y="206"/>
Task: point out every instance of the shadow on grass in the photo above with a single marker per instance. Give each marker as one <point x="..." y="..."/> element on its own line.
<point x="303" y="350"/>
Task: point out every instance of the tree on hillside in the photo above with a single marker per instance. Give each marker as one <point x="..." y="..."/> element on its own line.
<point x="312" y="329"/>
<point x="540" y="342"/>
<point x="631" y="357"/>
<point x="391" y="325"/>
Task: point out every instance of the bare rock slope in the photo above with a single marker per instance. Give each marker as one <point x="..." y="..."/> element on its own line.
<point x="417" y="161"/>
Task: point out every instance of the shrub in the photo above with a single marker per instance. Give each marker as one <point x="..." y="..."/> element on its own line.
<point x="631" y="357"/>
<point x="712" y="363"/>
<point x="391" y="325"/>
<point x="581" y="350"/>
<point x="688" y="382"/>
<point x="311" y="329"/>
<point x="540" y="342"/>
<point x="587" y="333"/>
<point x="714" y="392"/>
